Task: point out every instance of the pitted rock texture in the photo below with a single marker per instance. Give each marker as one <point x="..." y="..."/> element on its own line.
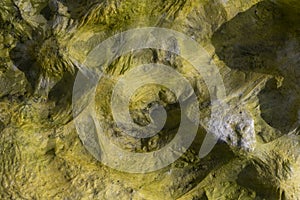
<point x="254" y="43"/>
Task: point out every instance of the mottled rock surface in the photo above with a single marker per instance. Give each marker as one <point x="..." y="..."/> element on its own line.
<point x="255" y="45"/>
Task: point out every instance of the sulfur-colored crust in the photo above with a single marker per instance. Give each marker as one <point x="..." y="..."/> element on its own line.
<point x="255" y="45"/>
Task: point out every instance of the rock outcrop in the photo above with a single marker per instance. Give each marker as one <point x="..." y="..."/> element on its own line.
<point x="255" y="45"/>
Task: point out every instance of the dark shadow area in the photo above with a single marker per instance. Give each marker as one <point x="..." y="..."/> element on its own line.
<point x="279" y="106"/>
<point x="169" y="130"/>
<point x="220" y="155"/>
<point x="2" y="126"/>
<point x="250" y="41"/>
<point x="48" y="12"/>
<point x="25" y="62"/>
<point x="256" y="177"/>
<point x="265" y="40"/>
<point x="61" y="94"/>
<point x="24" y="56"/>
<point x="78" y="8"/>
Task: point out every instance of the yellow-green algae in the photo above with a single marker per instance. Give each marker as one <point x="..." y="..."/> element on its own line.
<point x="254" y="43"/>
